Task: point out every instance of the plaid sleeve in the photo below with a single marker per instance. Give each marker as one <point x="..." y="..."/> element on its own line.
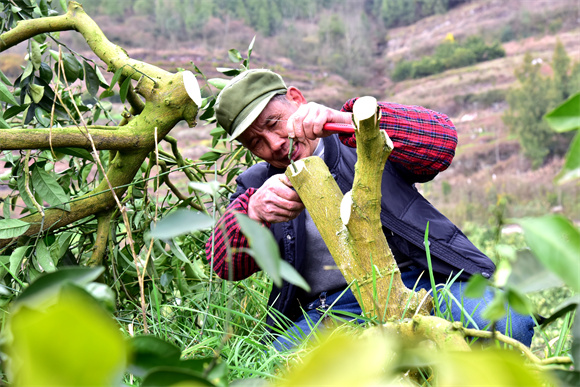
<point x="228" y="237"/>
<point x="424" y="140"/>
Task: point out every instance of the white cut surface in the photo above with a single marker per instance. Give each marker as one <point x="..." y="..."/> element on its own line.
<point x="364" y="108"/>
<point x="192" y="87"/>
<point x="346" y="208"/>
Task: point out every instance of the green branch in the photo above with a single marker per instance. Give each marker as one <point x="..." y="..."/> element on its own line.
<point x="104" y="137"/>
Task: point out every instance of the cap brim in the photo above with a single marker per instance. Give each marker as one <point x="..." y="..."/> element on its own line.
<point x="252" y="111"/>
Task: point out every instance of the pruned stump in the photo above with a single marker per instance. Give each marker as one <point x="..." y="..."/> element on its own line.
<point x="350" y="224"/>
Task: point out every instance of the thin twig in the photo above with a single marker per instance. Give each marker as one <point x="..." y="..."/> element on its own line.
<point x="470" y="332"/>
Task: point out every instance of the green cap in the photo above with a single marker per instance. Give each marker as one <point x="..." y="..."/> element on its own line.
<point x="242" y="100"/>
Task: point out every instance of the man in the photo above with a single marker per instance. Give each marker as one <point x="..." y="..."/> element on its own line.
<point x="260" y="111"/>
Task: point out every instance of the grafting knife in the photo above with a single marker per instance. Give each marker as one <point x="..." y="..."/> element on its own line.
<point x="338" y="128"/>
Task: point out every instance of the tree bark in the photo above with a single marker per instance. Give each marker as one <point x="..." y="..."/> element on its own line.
<point x="351" y="226"/>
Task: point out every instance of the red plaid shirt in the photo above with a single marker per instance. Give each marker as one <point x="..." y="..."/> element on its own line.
<point x="424" y="144"/>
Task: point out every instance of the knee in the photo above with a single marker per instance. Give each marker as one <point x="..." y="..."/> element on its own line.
<point x="517" y="326"/>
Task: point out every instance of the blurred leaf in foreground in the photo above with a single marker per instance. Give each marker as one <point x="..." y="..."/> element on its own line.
<point x="70" y="341"/>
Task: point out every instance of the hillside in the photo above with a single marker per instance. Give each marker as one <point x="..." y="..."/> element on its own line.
<point x="488" y="163"/>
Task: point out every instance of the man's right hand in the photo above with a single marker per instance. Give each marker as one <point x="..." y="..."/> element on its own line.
<point x="275" y="201"/>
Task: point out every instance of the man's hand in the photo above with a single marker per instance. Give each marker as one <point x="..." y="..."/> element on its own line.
<point x="308" y="121"/>
<point x="275" y="201"/>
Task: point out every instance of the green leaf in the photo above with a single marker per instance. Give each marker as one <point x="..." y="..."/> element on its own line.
<point x="46" y="285"/>
<point x="102" y="79"/>
<point x="14" y="110"/>
<point x="73" y="69"/>
<point x="6" y="96"/>
<point x="43" y="257"/>
<point x="27" y="70"/>
<point x="40" y="115"/>
<point x="49" y="189"/>
<point x="291" y="275"/>
<point x="571" y="169"/>
<point x="76" y="152"/>
<point x="43" y="7"/>
<point x="91" y="79"/>
<point x="263" y="247"/>
<point x="487" y="368"/>
<point x="35" y="56"/>
<point x="63" y="5"/>
<point x="181" y="222"/>
<point x="12" y="228"/>
<point x="565" y="117"/>
<point x="566" y="307"/>
<point x="211" y="156"/>
<point x="555" y="242"/>
<point x="4" y="79"/>
<point x="174" y="376"/>
<point x="116" y="77"/>
<point x="106" y="94"/>
<point x="150" y="352"/>
<point x="251" y="46"/>
<point x="519" y="302"/>
<point x="529" y="275"/>
<point x="4" y="262"/>
<point x="54" y="55"/>
<point x="218" y="83"/>
<point x="476" y="286"/>
<point x="211" y="188"/>
<point x="217" y="131"/>
<point x="235" y="55"/>
<point x="102" y="293"/>
<point x="566" y="378"/>
<point x="16" y="259"/>
<point x="228" y="71"/>
<point x="346" y="360"/>
<point x="496" y="309"/>
<point x="41" y="38"/>
<point x="124" y="89"/>
<point x="575" y="349"/>
<point x="36" y="92"/>
<point x="3" y="123"/>
<point x="91" y="350"/>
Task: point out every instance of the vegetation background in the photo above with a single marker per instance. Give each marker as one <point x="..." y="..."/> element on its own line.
<point x="495" y="67"/>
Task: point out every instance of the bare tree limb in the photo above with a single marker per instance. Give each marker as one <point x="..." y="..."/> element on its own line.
<point x="101" y="238"/>
<point x="104" y="137"/>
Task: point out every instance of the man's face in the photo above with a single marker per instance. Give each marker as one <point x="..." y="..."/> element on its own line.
<point x="267" y="137"/>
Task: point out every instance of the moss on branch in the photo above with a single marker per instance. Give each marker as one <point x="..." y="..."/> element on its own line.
<point x="104" y="138"/>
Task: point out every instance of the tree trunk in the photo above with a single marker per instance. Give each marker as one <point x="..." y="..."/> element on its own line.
<point x="350" y="225"/>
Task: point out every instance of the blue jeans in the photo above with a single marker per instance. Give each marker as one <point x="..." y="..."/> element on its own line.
<point x="515" y="325"/>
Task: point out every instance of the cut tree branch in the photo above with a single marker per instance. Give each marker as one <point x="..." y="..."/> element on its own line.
<point x="351" y="226"/>
<point x="104" y="137"/>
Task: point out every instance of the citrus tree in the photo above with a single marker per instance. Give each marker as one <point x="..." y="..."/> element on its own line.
<point x="82" y="188"/>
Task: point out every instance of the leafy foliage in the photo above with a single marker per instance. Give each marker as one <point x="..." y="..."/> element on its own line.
<point x="448" y="55"/>
<point x="536" y="95"/>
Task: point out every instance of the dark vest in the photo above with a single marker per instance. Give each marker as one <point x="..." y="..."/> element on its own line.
<point x="404" y="215"/>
